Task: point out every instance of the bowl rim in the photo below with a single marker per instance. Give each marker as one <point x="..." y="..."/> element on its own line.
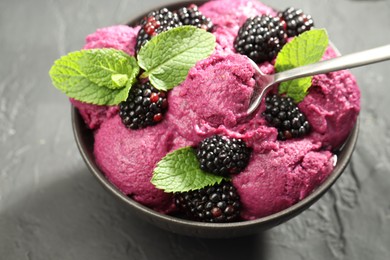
<point x="165" y="221"/>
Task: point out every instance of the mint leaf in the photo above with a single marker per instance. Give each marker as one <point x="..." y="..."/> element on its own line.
<point x="296" y="89"/>
<point x="100" y="64"/>
<point x="120" y="80"/>
<point x="179" y="171"/>
<point x="95" y="76"/>
<point x="168" y="57"/>
<point x="307" y="48"/>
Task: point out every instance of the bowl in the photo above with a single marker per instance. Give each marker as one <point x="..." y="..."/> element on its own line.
<point x="84" y="140"/>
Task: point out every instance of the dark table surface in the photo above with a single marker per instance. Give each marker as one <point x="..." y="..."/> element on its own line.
<point x="52" y="208"/>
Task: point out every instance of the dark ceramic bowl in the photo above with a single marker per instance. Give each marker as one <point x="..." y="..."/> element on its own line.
<point x="84" y="140"/>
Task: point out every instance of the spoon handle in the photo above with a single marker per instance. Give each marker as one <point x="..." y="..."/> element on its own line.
<point x="343" y="62"/>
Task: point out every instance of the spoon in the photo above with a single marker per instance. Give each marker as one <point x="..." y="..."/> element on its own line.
<point x="265" y="81"/>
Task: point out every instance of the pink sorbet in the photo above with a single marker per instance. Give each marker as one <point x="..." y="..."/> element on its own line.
<point x="128" y="158"/>
<point x="212" y="100"/>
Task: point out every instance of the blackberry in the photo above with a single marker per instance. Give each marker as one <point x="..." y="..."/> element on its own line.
<point x="145" y="106"/>
<point x="192" y="16"/>
<point x="283" y="114"/>
<point x="223" y="156"/>
<point x="154" y="23"/>
<point x="217" y="204"/>
<point x="261" y="38"/>
<point x="296" y="21"/>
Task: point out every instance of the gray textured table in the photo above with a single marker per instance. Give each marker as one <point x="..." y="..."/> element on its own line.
<point x="52" y="208"/>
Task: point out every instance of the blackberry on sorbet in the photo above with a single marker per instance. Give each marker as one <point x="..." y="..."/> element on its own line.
<point x="216" y="204"/>
<point x="222" y="155"/>
<point x="155" y="23"/>
<point x="296" y="21"/>
<point x="282" y="113"/>
<point x="261" y="38"/>
<point x="192" y="16"/>
<point x="145" y="106"/>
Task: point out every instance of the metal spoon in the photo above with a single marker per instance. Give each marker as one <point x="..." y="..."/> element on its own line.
<point x="264" y="81"/>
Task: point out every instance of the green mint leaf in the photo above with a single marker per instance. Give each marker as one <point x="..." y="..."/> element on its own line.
<point x="296" y="89"/>
<point x="168" y="57"/>
<point x="100" y="64"/>
<point x="95" y="76"/>
<point x="179" y="171"/>
<point x="307" y="48"/>
<point x="120" y="80"/>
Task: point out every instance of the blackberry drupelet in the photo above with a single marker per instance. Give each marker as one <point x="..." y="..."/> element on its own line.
<point x="261" y="38"/>
<point x="283" y="114"/>
<point x="192" y="16"/>
<point x="145" y="106"/>
<point x="216" y="204"/>
<point x="154" y="23"/>
<point x="223" y="156"/>
<point x="297" y="22"/>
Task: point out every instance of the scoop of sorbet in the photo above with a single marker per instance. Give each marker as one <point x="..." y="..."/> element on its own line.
<point x="128" y="157"/>
<point x="215" y="94"/>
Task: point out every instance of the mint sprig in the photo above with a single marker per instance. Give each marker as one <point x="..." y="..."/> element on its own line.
<point x="95" y="76"/>
<point x="168" y="57"/>
<point x="179" y="171"/>
<point x="307" y="48"/>
<point x="105" y="76"/>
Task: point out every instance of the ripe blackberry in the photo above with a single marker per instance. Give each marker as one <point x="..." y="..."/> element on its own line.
<point x="283" y="114"/>
<point x="217" y="204"/>
<point x="261" y="38"/>
<point x="223" y="156"/>
<point x="192" y="16"/>
<point x="154" y="23"/>
<point x="296" y="21"/>
<point x="145" y="106"/>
